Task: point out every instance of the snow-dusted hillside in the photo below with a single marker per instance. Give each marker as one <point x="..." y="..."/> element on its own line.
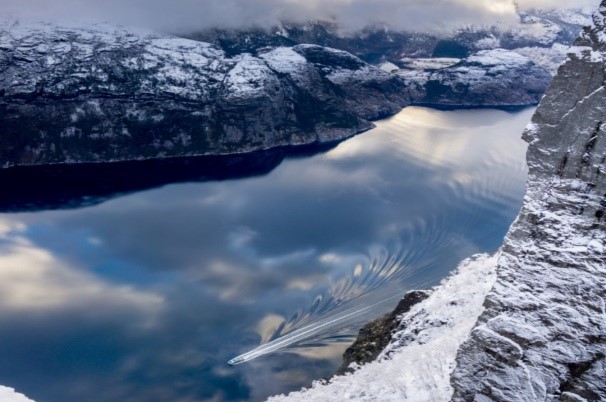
<point x="381" y="43"/>
<point x="425" y="60"/>
<point x="103" y="93"/>
<point x="487" y="78"/>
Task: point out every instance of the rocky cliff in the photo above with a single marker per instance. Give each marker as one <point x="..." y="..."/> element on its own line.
<point x="102" y="93"/>
<point x="542" y="336"/>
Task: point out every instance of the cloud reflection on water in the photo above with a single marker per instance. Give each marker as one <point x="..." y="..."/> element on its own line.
<point x="32" y="279"/>
<point x="215" y="264"/>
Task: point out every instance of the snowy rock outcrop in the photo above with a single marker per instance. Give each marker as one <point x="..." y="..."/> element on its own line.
<point x="102" y="93"/>
<point x="542" y="336"/>
<point x="487" y="78"/>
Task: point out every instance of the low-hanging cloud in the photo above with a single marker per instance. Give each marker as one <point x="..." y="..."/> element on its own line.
<point x="192" y="15"/>
<point x="558" y="3"/>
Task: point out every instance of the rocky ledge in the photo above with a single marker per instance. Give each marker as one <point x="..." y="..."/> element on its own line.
<point x="102" y="93"/>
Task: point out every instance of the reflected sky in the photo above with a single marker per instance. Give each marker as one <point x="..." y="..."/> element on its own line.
<point x="145" y="297"/>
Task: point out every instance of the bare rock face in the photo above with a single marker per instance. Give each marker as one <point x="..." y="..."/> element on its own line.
<point x="103" y="93"/>
<point x="542" y="336"/>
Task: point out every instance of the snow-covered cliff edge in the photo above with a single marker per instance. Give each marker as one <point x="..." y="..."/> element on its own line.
<point x="542" y="336"/>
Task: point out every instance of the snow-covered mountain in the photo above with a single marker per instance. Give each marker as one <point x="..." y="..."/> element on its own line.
<point x="529" y="323"/>
<point x="542" y="335"/>
<point x="104" y="93"/>
<point x="471" y="66"/>
<point x="380" y="43"/>
<point x="488" y="78"/>
<point x="490" y="61"/>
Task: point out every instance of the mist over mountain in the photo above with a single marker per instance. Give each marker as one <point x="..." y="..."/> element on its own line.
<point x="188" y="15"/>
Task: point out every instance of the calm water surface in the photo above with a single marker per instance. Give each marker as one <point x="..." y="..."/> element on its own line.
<point x="145" y="297"/>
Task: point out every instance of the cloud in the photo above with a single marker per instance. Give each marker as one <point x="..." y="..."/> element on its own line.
<point x="558" y="3"/>
<point x="188" y="15"/>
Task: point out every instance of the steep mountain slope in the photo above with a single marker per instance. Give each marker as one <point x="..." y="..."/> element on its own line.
<point x="103" y="93"/>
<point x="543" y="334"/>
<point x="528" y="324"/>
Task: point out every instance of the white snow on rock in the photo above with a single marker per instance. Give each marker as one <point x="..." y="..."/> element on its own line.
<point x="550" y="58"/>
<point x="498" y="57"/>
<point x="418" y="364"/>
<point x="10" y="395"/>
<point x="547" y="301"/>
<point x="541" y="337"/>
<point x="284" y="60"/>
<point x="389" y="67"/>
<point x="249" y="77"/>
<point x="434" y="63"/>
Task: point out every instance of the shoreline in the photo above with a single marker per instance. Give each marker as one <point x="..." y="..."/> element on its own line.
<point x="294" y="150"/>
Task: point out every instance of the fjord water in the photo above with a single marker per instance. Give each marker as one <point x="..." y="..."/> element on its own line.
<point x="146" y="297"/>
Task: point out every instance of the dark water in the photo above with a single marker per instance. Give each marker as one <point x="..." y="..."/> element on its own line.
<point x="146" y="296"/>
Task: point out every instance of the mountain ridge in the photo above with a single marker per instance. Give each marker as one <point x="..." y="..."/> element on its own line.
<point x="104" y="93"/>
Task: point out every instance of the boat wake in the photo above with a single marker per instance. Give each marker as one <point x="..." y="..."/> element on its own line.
<point x="424" y="246"/>
<point x="370" y="290"/>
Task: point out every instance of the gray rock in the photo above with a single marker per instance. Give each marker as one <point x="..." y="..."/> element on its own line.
<point x="103" y="93"/>
<point x="542" y="336"/>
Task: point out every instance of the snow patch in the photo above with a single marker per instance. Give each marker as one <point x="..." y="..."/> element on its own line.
<point x="434" y="63"/>
<point x="249" y="77"/>
<point x="550" y="58"/>
<point x="498" y="57"/>
<point x="10" y="395"/>
<point x="284" y="60"/>
<point x="389" y="67"/>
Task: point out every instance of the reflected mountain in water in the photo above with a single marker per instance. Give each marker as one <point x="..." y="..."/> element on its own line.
<point x="70" y="186"/>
